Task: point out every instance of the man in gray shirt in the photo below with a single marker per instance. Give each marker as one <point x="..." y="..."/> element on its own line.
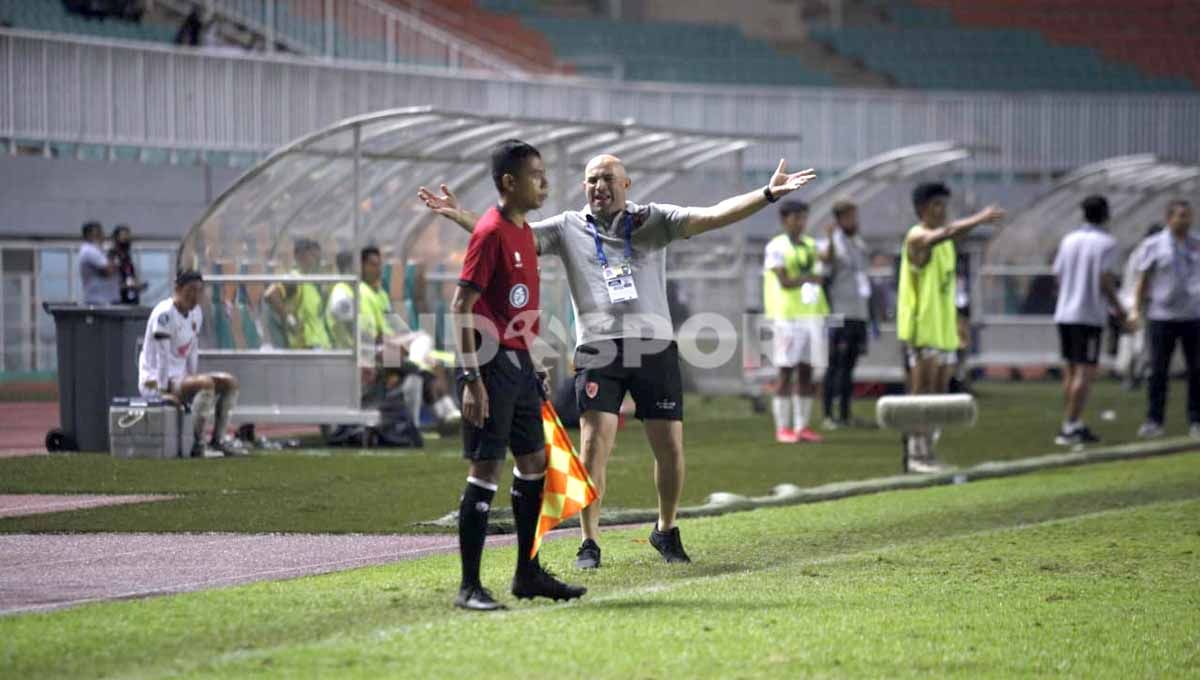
<point x="615" y="258"/>
<point x="97" y="274"/>
<point x="1168" y="288"/>
<point x="1086" y="267"/>
<point x="849" y="290"/>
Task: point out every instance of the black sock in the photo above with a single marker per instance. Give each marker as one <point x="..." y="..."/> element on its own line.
<point x="527" y="506"/>
<point x="472" y="530"/>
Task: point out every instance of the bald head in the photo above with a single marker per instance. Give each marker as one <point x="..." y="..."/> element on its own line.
<point x="606" y="184"/>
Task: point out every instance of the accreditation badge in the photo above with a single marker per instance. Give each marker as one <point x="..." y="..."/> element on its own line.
<point x="619" y="282"/>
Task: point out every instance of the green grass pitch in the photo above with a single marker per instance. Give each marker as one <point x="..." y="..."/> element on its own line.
<point x="1085" y="572"/>
<point x="728" y="448"/>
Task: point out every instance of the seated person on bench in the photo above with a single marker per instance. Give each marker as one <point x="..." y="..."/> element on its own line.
<point x="392" y="353"/>
<point x="168" y="365"/>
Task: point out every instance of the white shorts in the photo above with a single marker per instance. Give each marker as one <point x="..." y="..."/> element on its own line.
<point x="943" y="357"/>
<point x="799" y="342"/>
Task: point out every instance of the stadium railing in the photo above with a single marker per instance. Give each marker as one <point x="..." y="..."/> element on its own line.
<point x="66" y="90"/>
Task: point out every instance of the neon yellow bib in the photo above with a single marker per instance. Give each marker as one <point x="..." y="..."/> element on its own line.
<point x="794" y="303"/>
<point x="374" y="306"/>
<point x="925" y="313"/>
<point x="307" y="304"/>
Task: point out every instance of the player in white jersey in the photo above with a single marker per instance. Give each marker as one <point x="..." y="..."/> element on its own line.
<point x="168" y="365"/>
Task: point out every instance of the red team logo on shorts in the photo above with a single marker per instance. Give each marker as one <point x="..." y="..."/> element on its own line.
<point x="592" y="389"/>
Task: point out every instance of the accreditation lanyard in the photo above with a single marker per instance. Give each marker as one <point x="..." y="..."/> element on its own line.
<point x="618" y="280"/>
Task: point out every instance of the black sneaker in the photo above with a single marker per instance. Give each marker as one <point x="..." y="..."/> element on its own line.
<point x="668" y="545"/>
<point x="588" y="556"/>
<point x="476" y="598"/>
<point x="540" y="583"/>
<point x="1086" y="436"/>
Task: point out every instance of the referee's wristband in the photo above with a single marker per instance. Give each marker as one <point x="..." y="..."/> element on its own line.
<point x="771" y="198"/>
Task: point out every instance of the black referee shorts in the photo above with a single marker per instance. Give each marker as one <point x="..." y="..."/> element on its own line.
<point x="514" y="409"/>
<point x="1080" y="343"/>
<point x="649" y="370"/>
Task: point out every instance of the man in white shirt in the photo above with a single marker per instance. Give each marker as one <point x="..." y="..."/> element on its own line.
<point x="97" y="273"/>
<point x="1086" y="267"/>
<point x="1168" y="290"/>
<point x="168" y="365"/>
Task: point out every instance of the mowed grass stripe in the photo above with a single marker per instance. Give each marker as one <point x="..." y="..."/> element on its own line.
<point x="932" y="606"/>
<point x="667" y="593"/>
<point x="728" y="448"/>
<point x="184" y="634"/>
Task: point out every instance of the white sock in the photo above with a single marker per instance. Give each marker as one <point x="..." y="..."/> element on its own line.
<point x="1070" y="426"/>
<point x="779" y="406"/>
<point x="801" y="410"/>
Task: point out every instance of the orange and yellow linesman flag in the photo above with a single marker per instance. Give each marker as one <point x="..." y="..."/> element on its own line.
<point x="569" y="487"/>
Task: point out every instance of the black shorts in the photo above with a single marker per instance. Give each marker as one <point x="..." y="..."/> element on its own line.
<point x="514" y="409"/>
<point x="1080" y="343"/>
<point x="602" y="378"/>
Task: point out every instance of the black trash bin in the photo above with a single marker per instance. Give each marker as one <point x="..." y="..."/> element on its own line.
<point x="97" y="360"/>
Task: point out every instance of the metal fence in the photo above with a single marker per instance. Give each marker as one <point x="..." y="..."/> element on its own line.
<point x="66" y="90"/>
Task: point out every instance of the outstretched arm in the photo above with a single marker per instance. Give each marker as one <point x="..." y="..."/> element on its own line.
<point x="447" y="206"/>
<point x="740" y="207"/>
<point x="922" y="242"/>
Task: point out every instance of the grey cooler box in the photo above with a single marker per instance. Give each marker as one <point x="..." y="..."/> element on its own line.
<point x="149" y="428"/>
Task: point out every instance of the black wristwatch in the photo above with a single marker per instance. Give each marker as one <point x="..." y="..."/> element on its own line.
<point x="771" y="198"/>
<point x="470" y="375"/>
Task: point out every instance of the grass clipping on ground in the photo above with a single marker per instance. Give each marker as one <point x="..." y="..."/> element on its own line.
<point x="1081" y="571"/>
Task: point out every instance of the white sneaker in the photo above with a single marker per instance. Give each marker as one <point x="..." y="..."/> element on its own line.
<point x="1152" y="430"/>
<point x="926" y="466"/>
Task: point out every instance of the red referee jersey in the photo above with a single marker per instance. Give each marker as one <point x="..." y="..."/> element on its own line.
<point x="501" y="263"/>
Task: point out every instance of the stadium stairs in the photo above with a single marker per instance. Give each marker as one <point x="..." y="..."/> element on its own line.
<point x="665" y="51"/>
<point x="926" y="44"/>
<point x="1158" y="36"/>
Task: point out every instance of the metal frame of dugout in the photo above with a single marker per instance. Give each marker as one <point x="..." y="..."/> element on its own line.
<point x="354" y="183"/>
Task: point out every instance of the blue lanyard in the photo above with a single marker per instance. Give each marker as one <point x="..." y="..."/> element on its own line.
<point x="591" y="223"/>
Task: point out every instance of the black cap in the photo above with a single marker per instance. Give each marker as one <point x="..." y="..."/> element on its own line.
<point x="186" y="276"/>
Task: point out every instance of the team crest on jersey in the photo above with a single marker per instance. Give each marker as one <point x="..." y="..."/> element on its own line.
<point x="163" y="319"/>
<point x="518" y="297"/>
<point x="517" y="264"/>
<point x="592" y="389"/>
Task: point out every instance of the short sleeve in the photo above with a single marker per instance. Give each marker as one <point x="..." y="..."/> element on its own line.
<point x="1109" y="260"/>
<point x="663" y="223"/>
<point x="160" y="325"/>
<point x="775" y="257"/>
<point x="1058" y="259"/>
<point x="480" y="261"/>
<point x="92" y="257"/>
<point x="547" y="235"/>
<point x="1146" y="256"/>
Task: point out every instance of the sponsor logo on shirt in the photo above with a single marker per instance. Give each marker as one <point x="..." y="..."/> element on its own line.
<point x="518" y="297"/>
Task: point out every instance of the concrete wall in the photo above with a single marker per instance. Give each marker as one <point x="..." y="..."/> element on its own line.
<point x="51" y="198"/>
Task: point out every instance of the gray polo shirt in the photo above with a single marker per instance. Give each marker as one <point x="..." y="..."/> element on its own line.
<point x="1175" y="277"/>
<point x="849" y="286"/>
<point x="99" y="288"/>
<point x="1083" y="256"/>
<point x="596" y="318"/>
